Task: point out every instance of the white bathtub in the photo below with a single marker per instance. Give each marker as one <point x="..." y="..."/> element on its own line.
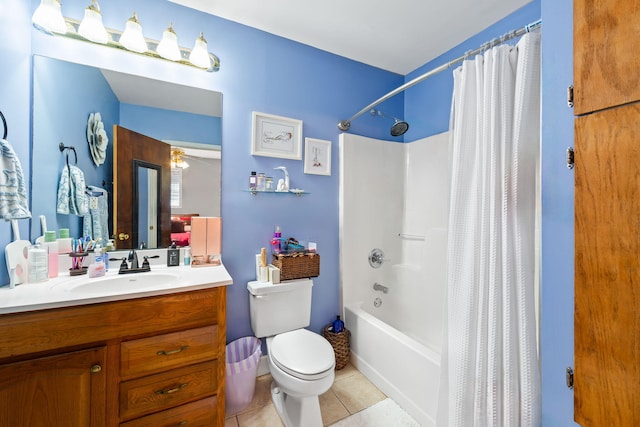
<point x="401" y="367"/>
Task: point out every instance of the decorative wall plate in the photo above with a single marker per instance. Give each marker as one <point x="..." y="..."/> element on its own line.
<point x="97" y="138"/>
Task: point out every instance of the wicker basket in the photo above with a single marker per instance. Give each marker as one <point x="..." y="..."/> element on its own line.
<point x="297" y="265"/>
<point x="340" y="343"/>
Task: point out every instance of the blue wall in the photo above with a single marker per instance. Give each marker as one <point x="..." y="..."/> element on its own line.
<point x="428" y="104"/>
<point x="557" y="213"/>
<point x="171" y="125"/>
<point x="63" y="118"/>
<point x="262" y="72"/>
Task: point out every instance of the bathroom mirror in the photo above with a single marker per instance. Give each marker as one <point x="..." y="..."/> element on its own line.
<point x="146" y="182"/>
<point x="65" y="94"/>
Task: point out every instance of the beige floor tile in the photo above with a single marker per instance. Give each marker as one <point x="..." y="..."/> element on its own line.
<point x="347" y="371"/>
<point x="356" y="392"/>
<point x="331" y="408"/>
<point x="261" y="395"/>
<point x="231" y="422"/>
<point x="262" y="417"/>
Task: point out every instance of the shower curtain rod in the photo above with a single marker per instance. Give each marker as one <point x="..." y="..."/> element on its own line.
<point x="344" y="125"/>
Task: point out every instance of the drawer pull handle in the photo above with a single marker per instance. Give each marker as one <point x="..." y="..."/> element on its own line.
<point x="170" y="352"/>
<point x="172" y="390"/>
<point x="95" y="369"/>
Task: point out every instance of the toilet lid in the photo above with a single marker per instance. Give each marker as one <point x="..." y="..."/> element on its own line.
<point x="303" y="354"/>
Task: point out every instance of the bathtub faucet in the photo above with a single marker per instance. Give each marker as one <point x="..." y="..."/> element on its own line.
<point x="378" y="287"/>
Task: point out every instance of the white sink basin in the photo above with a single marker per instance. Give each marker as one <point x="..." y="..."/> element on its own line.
<point x="125" y="283"/>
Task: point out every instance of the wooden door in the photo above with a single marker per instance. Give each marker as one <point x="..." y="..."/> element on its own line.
<point x="130" y="146"/>
<point x="606" y="59"/>
<point x="607" y="268"/>
<point x="67" y="390"/>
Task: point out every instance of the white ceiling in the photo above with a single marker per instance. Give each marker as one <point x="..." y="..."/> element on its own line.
<point x="395" y="35"/>
<point x="137" y="90"/>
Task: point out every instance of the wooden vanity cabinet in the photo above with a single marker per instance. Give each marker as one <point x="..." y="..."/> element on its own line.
<point x="62" y="390"/>
<point x="155" y="361"/>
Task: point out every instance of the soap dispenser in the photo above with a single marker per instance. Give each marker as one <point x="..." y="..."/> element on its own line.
<point x="173" y="256"/>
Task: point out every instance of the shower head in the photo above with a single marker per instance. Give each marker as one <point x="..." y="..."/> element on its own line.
<point x="398" y="128"/>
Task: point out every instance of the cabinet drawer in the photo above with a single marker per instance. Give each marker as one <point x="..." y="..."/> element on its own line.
<point x="163" y="352"/>
<point x="197" y="414"/>
<point x="168" y="389"/>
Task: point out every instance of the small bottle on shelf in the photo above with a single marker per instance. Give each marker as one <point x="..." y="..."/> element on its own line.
<point x="253" y="181"/>
<point x="261" y="182"/>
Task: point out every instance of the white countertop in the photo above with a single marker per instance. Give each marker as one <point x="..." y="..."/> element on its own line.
<point x="66" y="291"/>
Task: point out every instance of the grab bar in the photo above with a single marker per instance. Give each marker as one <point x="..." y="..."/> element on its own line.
<point x="410" y="236"/>
<point x="378" y="287"/>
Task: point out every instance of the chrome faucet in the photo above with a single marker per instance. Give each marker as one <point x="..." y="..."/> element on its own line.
<point x="378" y="287"/>
<point x="133" y="259"/>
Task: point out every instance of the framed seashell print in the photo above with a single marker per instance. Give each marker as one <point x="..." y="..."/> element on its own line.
<point x="276" y="136"/>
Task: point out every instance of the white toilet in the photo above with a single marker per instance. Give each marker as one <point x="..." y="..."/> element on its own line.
<point x="301" y="362"/>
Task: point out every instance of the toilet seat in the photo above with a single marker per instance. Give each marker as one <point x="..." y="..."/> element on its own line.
<point x="302" y="354"/>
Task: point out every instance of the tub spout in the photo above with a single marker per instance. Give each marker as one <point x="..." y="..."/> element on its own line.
<point x="378" y="287"/>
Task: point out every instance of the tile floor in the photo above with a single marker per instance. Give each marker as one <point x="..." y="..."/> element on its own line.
<point x="350" y="394"/>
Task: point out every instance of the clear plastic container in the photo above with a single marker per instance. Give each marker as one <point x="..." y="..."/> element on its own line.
<point x="261" y="182"/>
<point x="38" y="267"/>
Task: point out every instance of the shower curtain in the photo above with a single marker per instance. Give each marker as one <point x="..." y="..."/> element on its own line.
<point x="490" y="369"/>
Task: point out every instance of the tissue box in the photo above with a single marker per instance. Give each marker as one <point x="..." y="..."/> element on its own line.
<point x="297" y="265"/>
<point x="274" y="274"/>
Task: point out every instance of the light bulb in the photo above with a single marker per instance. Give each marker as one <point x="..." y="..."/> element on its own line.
<point x="132" y="38"/>
<point x="200" y="54"/>
<point x="91" y="27"/>
<point x="168" y="46"/>
<point x="48" y="17"/>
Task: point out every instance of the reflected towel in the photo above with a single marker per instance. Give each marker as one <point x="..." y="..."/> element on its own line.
<point x="96" y="220"/>
<point x="71" y="192"/>
<point x="13" y="192"/>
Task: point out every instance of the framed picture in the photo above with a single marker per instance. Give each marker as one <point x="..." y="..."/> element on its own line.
<point x="275" y="136"/>
<point x="317" y="156"/>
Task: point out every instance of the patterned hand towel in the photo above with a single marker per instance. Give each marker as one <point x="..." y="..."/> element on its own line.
<point x="95" y="222"/>
<point x="13" y="192"/>
<point x="71" y="192"/>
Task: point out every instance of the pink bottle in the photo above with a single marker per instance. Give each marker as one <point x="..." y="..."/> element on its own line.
<point x="51" y="245"/>
<point x="276" y="241"/>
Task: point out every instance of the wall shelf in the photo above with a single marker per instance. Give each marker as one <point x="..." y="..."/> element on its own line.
<point x="292" y="193"/>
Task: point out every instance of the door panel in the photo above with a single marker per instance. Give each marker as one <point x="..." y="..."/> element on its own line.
<point x="127" y="147"/>
<point x="57" y="391"/>
<point x="607" y="273"/>
<point x="606" y="60"/>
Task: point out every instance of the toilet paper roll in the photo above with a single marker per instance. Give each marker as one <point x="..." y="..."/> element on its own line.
<point x="264" y="274"/>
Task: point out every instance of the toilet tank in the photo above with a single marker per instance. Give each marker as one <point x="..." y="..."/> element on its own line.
<point x="279" y="308"/>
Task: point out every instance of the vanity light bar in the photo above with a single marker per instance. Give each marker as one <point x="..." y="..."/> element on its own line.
<point x="114" y="42"/>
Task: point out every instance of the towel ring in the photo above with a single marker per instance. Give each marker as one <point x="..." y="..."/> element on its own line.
<point x="4" y="122"/>
<point x="63" y="147"/>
